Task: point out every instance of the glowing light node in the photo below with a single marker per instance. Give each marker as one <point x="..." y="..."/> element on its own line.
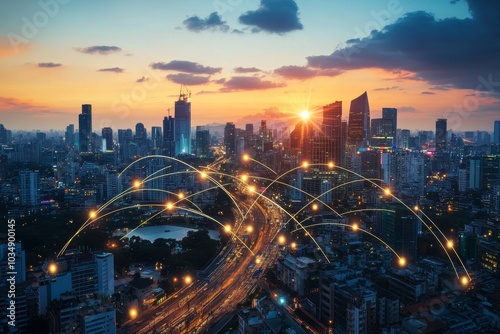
<point x="244" y="178"/>
<point x="52" y="268"/>
<point x="252" y="189"/>
<point x="281" y="239"/>
<point x="137" y="184"/>
<point x="305" y="164"/>
<point x="314" y="207"/>
<point x="246" y="157"/>
<point x="387" y="191"/>
<point x="331" y="165"/>
<point x="464" y="280"/>
<point x="188" y="280"/>
<point x="93" y="214"/>
<point x="402" y="261"/>
<point x="170" y="206"/>
<point x="180" y="195"/>
<point x="132" y="313"/>
<point x="416" y="208"/>
<point x="449" y="244"/>
<point x="227" y="228"/>
<point x="355" y="227"/>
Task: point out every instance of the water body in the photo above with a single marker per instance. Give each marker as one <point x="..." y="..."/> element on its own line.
<point x="152" y="233"/>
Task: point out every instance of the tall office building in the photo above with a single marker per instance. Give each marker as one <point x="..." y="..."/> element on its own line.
<point x="107" y="139"/>
<point x="400" y="229"/>
<point x="169" y="136"/>
<point x="332" y="129"/>
<point x="85" y="128"/>
<point x="202" y="142"/>
<point x="392" y="115"/>
<point x="496" y="133"/>
<point x="69" y="135"/>
<point x="182" y="133"/>
<point x="29" y="188"/>
<point x="230" y="139"/>
<point x="249" y="129"/>
<point x="381" y="133"/>
<point x="441" y="135"/>
<point x="156" y="137"/>
<point x="140" y="134"/>
<point x="105" y="274"/>
<point x="359" y="121"/>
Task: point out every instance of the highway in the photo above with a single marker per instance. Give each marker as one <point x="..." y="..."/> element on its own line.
<point x="198" y="306"/>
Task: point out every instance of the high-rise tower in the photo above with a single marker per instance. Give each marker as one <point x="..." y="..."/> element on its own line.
<point x="359" y="121"/>
<point x="85" y="128"/>
<point x="332" y="129"/>
<point x="441" y="135"/>
<point x="182" y="133"/>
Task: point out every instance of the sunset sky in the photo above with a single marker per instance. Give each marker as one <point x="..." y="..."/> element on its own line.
<point x="248" y="60"/>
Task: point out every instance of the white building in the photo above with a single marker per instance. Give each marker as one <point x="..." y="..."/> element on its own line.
<point x="105" y="274"/>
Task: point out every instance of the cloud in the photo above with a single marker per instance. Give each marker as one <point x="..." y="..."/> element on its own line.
<point x="451" y="52"/>
<point x="186" y="67"/>
<point x="304" y="72"/>
<point x="49" y="65"/>
<point x="273" y="16"/>
<point x="143" y="79"/>
<point x="273" y="116"/>
<point x="387" y="88"/>
<point x="220" y="81"/>
<point x="112" y="69"/>
<point x="237" y="31"/>
<point x="295" y="72"/>
<point x="9" y="105"/>
<point x="240" y="83"/>
<point x="188" y="79"/>
<point x="247" y="70"/>
<point x="407" y="109"/>
<point x="99" y="49"/>
<point x="428" y="93"/>
<point x="213" y="22"/>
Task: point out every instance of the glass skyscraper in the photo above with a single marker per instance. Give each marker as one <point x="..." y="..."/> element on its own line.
<point x="182" y="122"/>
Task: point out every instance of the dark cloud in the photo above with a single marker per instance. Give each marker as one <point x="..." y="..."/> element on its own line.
<point x="99" y="49"/>
<point x="246" y="69"/>
<point x="49" y="65"/>
<point x="450" y="52"/>
<point x="237" y="31"/>
<point x="273" y="16"/>
<point x="112" y="69"/>
<point x="427" y="93"/>
<point x="188" y="79"/>
<point x="186" y="67"/>
<point x="213" y="22"/>
<point x="143" y="79"/>
<point x="220" y="81"/>
<point x="304" y="72"/>
<point x="248" y="83"/>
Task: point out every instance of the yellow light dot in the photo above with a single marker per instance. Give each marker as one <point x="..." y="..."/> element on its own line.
<point x="257" y="260"/>
<point x="281" y="239"/>
<point x="314" y="207"/>
<point x="227" y="228"/>
<point x="415" y="208"/>
<point x="293" y="245"/>
<point x="93" y="214"/>
<point x="402" y="261"/>
<point x="246" y="157"/>
<point x="188" y="279"/>
<point x="464" y="281"/>
<point x="331" y="165"/>
<point x="249" y="229"/>
<point x="449" y="244"/>
<point x="203" y="175"/>
<point x="305" y="164"/>
<point x="132" y="313"/>
<point x="170" y="206"/>
<point x="354" y="227"/>
<point x="387" y="191"/>
<point x="52" y="268"/>
<point x="137" y="184"/>
<point x="252" y="189"/>
<point x="244" y="178"/>
<point x="180" y="195"/>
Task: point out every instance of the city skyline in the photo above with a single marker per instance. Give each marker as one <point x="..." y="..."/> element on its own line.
<point x="309" y="58"/>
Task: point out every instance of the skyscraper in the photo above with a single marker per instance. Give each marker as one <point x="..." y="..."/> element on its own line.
<point x="230" y="139"/>
<point x="85" y="128"/>
<point x="29" y="188"/>
<point x="441" y="135"/>
<point x="332" y="129"/>
<point x="69" y="136"/>
<point x="359" y="121"/>
<point x="107" y="139"/>
<point x="392" y="115"/>
<point x="496" y="133"/>
<point x="168" y="136"/>
<point x="202" y="142"/>
<point x="182" y="123"/>
<point x="156" y="137"/>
